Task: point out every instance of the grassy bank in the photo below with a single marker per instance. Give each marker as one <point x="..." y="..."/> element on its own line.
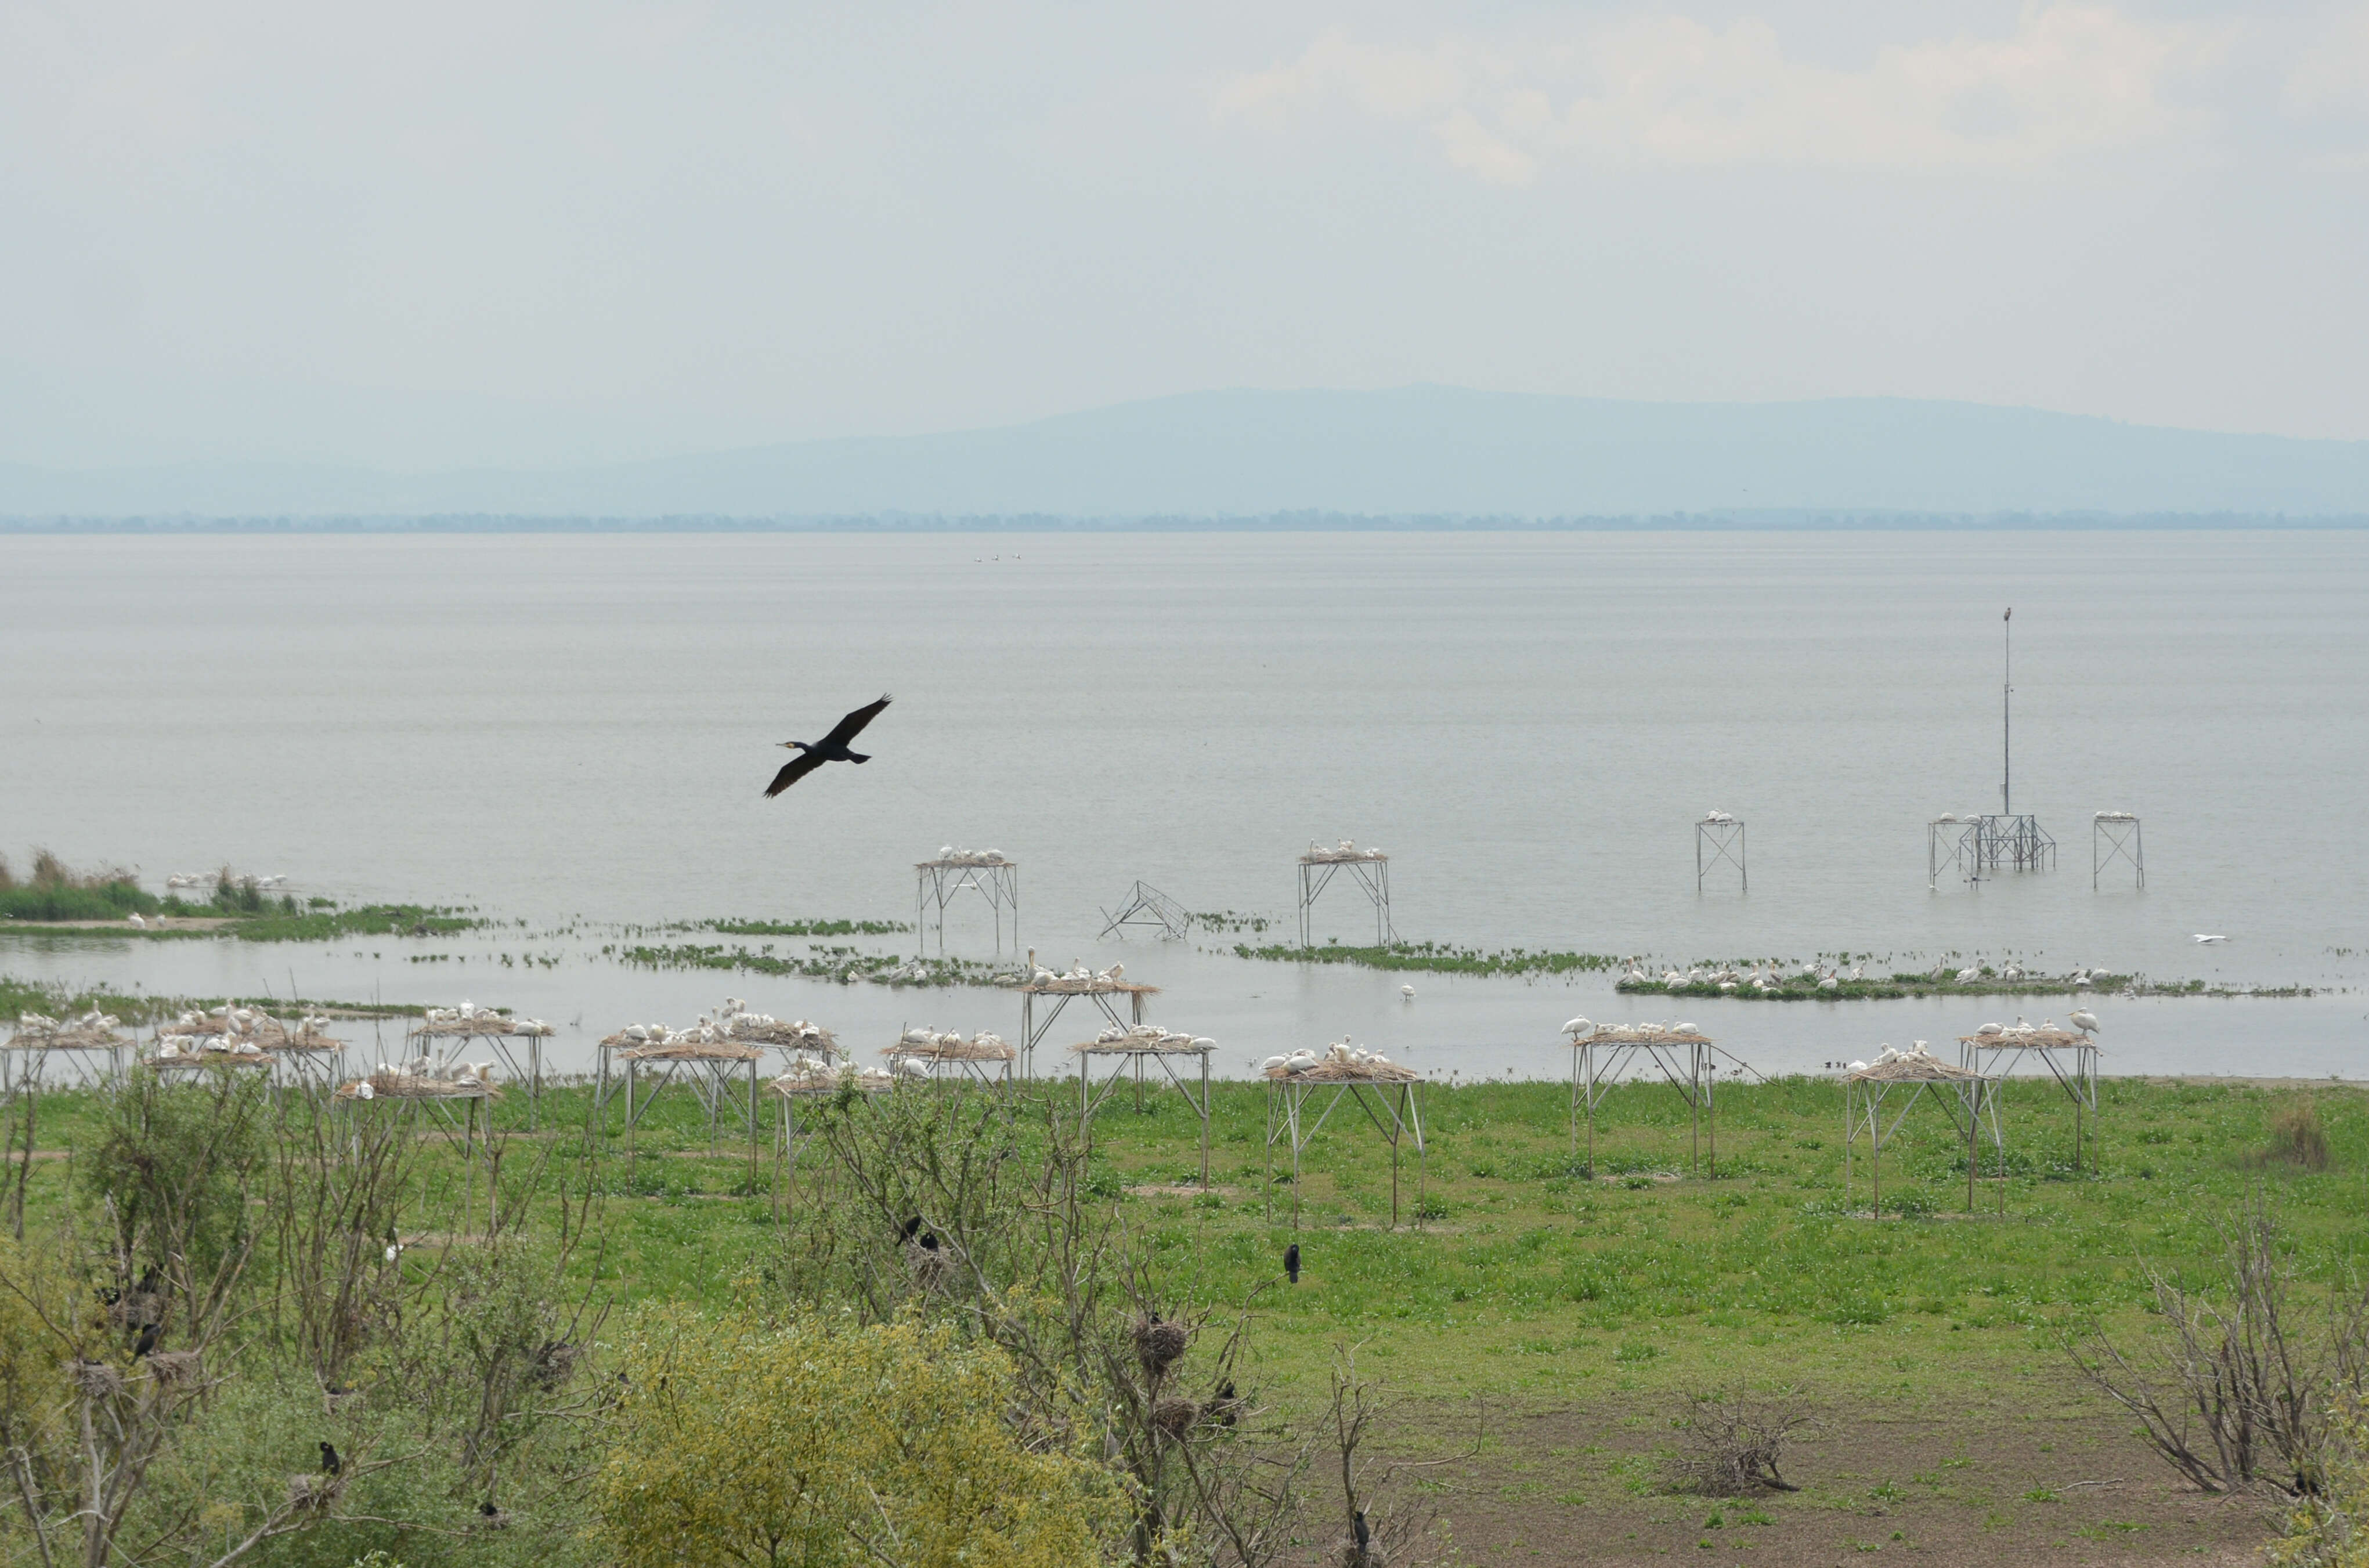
<point x="818" y="962"/>
<point x="1581" y="1305"/>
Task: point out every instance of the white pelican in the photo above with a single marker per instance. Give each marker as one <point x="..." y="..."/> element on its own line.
<point x="2202" y="938"/>
<point x="365" y="1092"/>
<point x="1967" y="976"/>
<point x="2084" y="1020"/>
<point x="1407" y="992"/>
<point x="1578" y="1026"/>
<point x="137" y="923"/>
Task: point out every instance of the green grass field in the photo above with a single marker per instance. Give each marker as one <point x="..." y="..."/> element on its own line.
<point x="1581" y="1307"/>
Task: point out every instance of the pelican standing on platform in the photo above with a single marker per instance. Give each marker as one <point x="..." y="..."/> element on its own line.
<point x="831" y="748"/>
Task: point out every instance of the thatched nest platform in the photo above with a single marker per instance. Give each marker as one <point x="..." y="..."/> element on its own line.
<point x="486" y="1024"/>
<point x="965" y="860"/>
<point x="1642" y="1034"/>
<point x="1329" y="1072"/>
<point x="67" y="1037"/>
<point x="1911" y="1067"/>
<point x="1146" y="1040"/>
<point x="204" y="1057"/>
<point x="921" y="1045"/>
<point x="1346" y="852"/>
<point x="795" y="1035"/>
<point x="689" y="1050"/>
<point x="2037" y="1039"/>
<point x="1065" y="985"/>
<point x="393" y="1085"/>
<point x="822" y="1085"/>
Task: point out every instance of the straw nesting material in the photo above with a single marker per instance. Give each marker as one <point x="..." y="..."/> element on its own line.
<point x="1915" y="1065"/>
<point x="1338" y="853"/>
<point x="796" y="1035"/>
<point x="796" y="1085"/>
<point x="929" y="1045"/>
<point x="692" y="1050"/>
<point x="1344" y="1072"/>
<point x="950" y="856"/>
<point x="1643" y="1034"/>
<point x="1145" y="1039"/>
<point x="390" y="1085"/>
<point x="92" y="1031"/>
<point x="1087" y="985"/>
<point x="2014" y="1036"/>
<point x="194" y="1055"/>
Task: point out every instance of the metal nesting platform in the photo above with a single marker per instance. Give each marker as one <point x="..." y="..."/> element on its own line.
<point x="439" y="1035"/>
<point x="1043" y="1000"/>
<point x="1687" y="1060"/>
<point x="1129" y="1056"/>
<point x="2070" y="1055"/>
<point x="1968" y="1096"/>
<point x="1386" y="1093"/>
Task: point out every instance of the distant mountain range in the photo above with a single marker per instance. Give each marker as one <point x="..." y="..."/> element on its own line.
<point x="1416" y="453"/>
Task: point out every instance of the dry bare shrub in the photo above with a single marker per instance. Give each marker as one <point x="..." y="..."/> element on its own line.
<point x="1733" y="1444"/>
<point x="2236" y="1393"/>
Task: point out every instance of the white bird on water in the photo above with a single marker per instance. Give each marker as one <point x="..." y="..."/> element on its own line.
<point x="2201" y="938"/>
<point x="1407" y="992"/>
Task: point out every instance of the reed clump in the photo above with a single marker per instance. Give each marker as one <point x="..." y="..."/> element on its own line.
<point x="2297" y="1138"/>
<point x="56" y="891"/>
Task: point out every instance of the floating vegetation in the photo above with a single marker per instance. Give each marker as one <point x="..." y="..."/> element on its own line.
<point x="845" y="964"/>
<point x="1227" y="920"/>
<point x="1795" y="986"/>
<point x="1435" y="956"/>
<point x="801" y="927"/>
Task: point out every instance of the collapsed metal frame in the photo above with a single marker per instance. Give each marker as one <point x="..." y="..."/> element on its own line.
<point x="1147" y="906"/>
<point x="1125" y="1057"/>
<point x="2113" y="838"/>
<point x="1716" y="842"/>
<point x="1598" y="1059"/>
<point x="937" y="883"/>
<point x="1970" y="1098"/>
<point x="1371" y="873"/>
<point x="499" y="1034"/>
<point x="1287" y="1102"/>
<point x="2080" y="1081"/>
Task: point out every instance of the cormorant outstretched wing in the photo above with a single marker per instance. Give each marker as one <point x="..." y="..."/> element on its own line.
<point x="851" y="727"/>
<point x="793" y="771"/>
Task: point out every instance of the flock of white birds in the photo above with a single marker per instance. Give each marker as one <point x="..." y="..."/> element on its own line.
<point x="1154" y="1036"/>
<point x="730" y="1022"/>
<point x="1340" y="1053"/>
<point x="949" y="856"/>
<point x="1078" y="973"/>
<point x="182" y="880"/>
<point x="1344" y="851"/>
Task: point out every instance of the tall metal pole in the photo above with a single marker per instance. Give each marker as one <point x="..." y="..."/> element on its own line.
<point x="2006" y="718"/>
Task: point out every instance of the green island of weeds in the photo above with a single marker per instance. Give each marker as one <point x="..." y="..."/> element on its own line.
<point x="1436" y="957"/>
<point x="818" y="962"/>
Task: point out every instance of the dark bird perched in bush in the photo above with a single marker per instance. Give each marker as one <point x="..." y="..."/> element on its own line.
<point x="330" y="1463"/>
<point x="1291" y="1261"/>
<point x="147" y="1340"/>
<point x="831" y="748"/>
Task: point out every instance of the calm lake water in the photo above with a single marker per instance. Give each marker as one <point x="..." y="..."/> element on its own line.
<point x="550" y="726"/>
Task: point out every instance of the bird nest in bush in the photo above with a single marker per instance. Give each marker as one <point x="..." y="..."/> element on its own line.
<point x="391" y="1086"/>
<point x="923" y="1046"/>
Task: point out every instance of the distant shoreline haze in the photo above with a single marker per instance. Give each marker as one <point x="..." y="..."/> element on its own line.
<point x="1415" y="458"/>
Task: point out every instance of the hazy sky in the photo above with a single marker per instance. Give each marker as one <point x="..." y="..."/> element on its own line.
<point x="495" y="232"/>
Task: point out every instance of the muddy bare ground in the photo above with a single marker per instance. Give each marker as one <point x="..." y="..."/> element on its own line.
<point x="1992" y="1486"/>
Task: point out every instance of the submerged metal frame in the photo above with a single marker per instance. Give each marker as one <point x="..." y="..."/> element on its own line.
<point x="1371" y="873"/>
<point x="1147" y="906"/>
<point x="937" y="883"/>
<point x="2113" y="839"/>
<point x="1725" y="842"/>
